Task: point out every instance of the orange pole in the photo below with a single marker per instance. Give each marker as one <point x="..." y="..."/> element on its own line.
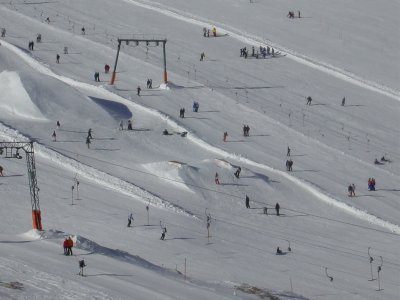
<point x="112" y="78"/>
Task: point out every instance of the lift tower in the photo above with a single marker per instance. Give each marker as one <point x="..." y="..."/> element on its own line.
<point x="148" y="42"/>
<point x="12" y="150"/>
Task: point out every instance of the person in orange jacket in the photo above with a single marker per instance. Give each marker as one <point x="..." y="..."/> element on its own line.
<point x="70" y="244"/>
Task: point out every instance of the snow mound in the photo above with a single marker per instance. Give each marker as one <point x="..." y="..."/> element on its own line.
<point x="15" y="102"/>
<point x="164" y="86"/>
<point x="169" y="171"/>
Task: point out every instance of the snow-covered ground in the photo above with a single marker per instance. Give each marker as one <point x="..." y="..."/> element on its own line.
<point x="336" y="49"/>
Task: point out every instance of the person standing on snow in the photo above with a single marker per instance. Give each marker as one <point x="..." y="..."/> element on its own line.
<point x="1" y="171"/>
<point x="216" y="178"/>
<point x="277" y="207"/>
<point x="54" y="135"/>
<point x="247" y="202"/>
<point x="138" y="89"/>
<point x="130" y="219"/>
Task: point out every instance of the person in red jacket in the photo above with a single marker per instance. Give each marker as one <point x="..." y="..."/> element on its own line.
<point x="65" y="245"/>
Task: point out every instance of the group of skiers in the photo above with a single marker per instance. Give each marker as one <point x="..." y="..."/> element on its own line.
<point x="121" y="125"/>
<point x="246" y="130"/>
<point x="263" y="51"/>
<point x="371" y="184"/>
<point x="206" y="32"/>
<point x="277" y="206"/>
<point x="291" y="14"/>
<point x="182" y="112"/>
<point x="289" y="165"/>
<point x="195" y="106"/>
<point x="68" y="244"/>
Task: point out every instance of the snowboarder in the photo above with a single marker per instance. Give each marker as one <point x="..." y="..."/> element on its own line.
<point x="309" y="99"/>
<point x="237" y="172"/>
<point x="58" y="124"/>
<point x="343" y="101"/>
<point x="247" y="202"/>
<point x="216" y="178"/>
<point x="130" y="219"/>
<point x="288" y="151"/>
<point x="88" y="142"/>
<point x="130" y="125"/>
<point x="225" y="136"/>
<point x="164" y="231"/>
<point x="121" y="125"/>
<point x="58" y="58"/>
<point x="81" y="266"/>
<point x="277" y="207"/>
<point x="138" y="90"/>
<point x="1" y="171"/>
<point x="54" y="135"/>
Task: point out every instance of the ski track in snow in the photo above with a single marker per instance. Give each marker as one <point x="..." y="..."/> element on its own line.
<point x="251" y="39"/>
<point x="130" y="189"/>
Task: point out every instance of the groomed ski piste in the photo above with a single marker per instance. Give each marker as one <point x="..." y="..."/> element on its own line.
<point x="328" y="232"/>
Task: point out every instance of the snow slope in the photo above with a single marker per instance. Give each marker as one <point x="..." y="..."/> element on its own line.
<point x="125" y="171"/>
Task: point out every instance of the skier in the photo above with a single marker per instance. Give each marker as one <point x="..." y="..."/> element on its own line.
<point x="298" y="14"/>
<point x="54" y="135"/>
<point x="216" y="178"/>
<point x="237" y="173"/>
<point x="204" y="31"/>
<point x="202" y="56"/>
<point x="1" y="171"/>
<point x="88" y="142"/>
<point x="121" y="125"/>
<point x="3" y="32"/>
<point x="83" y="31"/>
<point x="138" y="90"/>
<point x="247" y="202"/>
<point x="106" y="68"/>
<point x="38" y="38"/>
<point x="58" y="124"/>
<point x="58" y="58"/>
<point x="273" y="52"/>
<point x="309" y="99"/>
<point x="130" y="219"/>
<point x="65" y="50"/>
<point x="225" y="136"/>
<point x="278" y="251"/>
<point x="343" y="101"/>
<point x="288" y="151"/>
<point x="214" y="31"/>
<point x="277" y="207"/>
<point x="290" y="164"/>
<point x="81" y="266"/>
<point x="129" y="125"/>
<point x="70" y="244"/>
<point x="164" y="231"/>
<point x="90" y="133"/>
